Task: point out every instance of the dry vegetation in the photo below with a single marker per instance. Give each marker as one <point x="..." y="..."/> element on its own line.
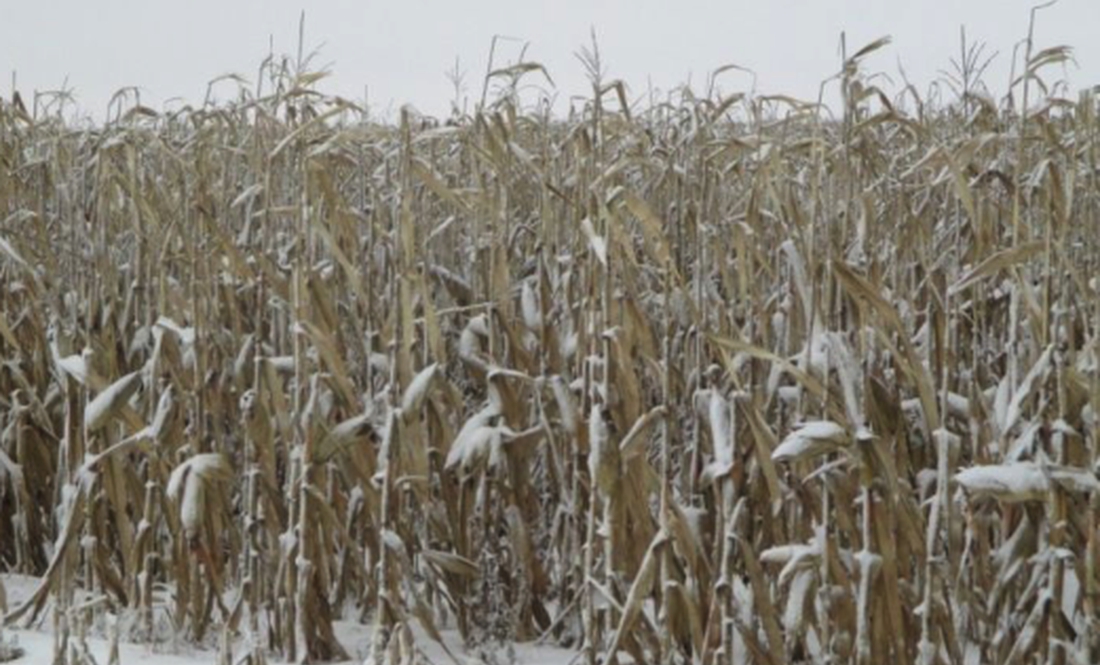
<point x="723" y="380"/>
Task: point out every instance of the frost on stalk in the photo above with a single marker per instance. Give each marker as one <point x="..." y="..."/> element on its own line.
<point x="717" y="411"/>
<point x="529" y="304"/>
<point x="603" y="458"/>
<point x="566" y="405"/>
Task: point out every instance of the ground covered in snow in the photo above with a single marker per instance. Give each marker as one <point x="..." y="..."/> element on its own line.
<point x="37" y="643"/>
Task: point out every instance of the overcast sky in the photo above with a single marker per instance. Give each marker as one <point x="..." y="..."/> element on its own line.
<point x="399" y="50"/>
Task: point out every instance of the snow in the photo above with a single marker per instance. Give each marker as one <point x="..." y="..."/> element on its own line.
<point x="355" y="637"/>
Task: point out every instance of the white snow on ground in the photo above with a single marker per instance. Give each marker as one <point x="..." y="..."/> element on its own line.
<point x="355" y="637"/>
<point x="39" y="649"/>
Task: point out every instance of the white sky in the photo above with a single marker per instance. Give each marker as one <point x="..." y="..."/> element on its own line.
<point x="400" y="49"/>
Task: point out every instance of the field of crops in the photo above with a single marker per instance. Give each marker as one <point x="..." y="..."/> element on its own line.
<point x="716" y="379"/>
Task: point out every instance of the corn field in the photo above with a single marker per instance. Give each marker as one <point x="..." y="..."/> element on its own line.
<point x="727" y="379"/>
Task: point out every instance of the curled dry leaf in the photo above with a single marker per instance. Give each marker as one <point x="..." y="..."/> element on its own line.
<point x="1025" y="481"/>
<point x="190" y="484"/>
<point x="811" y="439"/>
<point x="108" y="403"/>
